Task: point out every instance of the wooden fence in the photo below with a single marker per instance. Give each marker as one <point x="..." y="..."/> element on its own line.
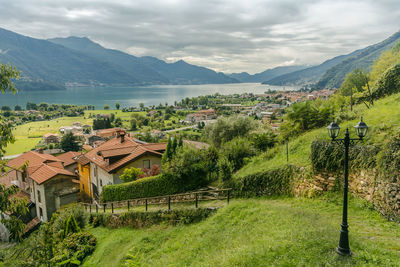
<point x="195" y="197"/>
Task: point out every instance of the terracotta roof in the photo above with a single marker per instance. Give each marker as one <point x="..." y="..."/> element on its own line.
<point x="45" y="172"/>
<point x="109" y="132"/>
<point x="114" y="147"/>
<point x="82" y="159"/>
<point x="34" y="159"/>
<point x="50" y="134"/>
<point x="156" y="146"/>
<point x="68" y="157"/>
<point x="112" y="152"/>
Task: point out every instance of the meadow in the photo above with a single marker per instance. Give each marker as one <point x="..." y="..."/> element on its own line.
<point x="257" y="232"/>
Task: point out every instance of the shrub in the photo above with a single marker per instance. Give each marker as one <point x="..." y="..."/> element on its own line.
<point x="145" y="219"/>
<point x="145" y="187"/>
<point x="131" y="174"/>
<point x="329" y="156"/>
<point x="236" y="151"/>
<point x="73" y="249"/>
<point x="389" y="160"/>
<point x="270" y="183"/>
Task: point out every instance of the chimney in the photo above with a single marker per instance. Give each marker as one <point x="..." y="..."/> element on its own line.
<point x="122" y="135"/>
<point x="40" y="150"/>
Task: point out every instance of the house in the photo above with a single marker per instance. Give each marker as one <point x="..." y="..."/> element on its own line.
<point x="69" y="162"/>
<point x="90" y="139"/>
<point x="108" y="161"/>
<point x="51" y="138"/>
<point x="70" y="129"/>
<point x="48" y="184"/>
<point x="202" y="115"/>
<point x="84" y="175"/>
<point x="109" y="133"/>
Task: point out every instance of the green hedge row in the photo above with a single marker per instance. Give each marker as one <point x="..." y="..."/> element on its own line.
<point x="146" y="187"/>
<point x="144" y="219"/>
<point x="329" y="156"/>
<point x="268" y="183"/>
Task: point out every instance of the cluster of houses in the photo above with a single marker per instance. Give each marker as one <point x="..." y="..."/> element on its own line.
<point x="48" y="182"/>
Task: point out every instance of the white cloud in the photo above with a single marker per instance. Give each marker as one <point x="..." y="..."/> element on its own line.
<point x="225" y="35"/>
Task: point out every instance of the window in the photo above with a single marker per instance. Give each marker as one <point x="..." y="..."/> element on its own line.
<point x="39" y="197"/>
<point x="83" y="187"/>
<point x="41" y="213"/>
<point x="146" y="164"/>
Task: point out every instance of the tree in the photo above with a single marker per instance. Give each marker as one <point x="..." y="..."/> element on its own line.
<point x="5" y="108"/>
<point x="355" y="82"/>
<point x="106" y="107"/>
<point x="117" y="105"/>
<point x="141" y="105"/>
<point x="226" y="129"/>
<point x="69" y="142"/>
<point x="7" y="74"/>
<point x="17" y="108"/>
<point x="118" y="122"/>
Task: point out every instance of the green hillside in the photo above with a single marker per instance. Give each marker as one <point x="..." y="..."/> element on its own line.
<point x="257" y="232"/>
<point x="383" y="119"/>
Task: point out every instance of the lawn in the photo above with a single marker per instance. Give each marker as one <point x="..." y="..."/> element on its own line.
<point x="383" y="119"/>
<point x="29" y="134"/>
<point x="258" y="232"/>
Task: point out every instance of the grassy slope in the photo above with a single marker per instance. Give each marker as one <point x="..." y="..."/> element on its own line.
<point x="383" y="118"/>
<point x="258" y="232"/>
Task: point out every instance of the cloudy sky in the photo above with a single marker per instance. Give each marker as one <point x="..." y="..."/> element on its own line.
<point x="228" y="36"/>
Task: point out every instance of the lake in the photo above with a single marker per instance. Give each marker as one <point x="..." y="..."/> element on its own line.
<point x="131" y="96"/>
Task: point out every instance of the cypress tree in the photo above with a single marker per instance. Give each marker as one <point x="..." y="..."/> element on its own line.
<point x="174" y="145"/>
<point x="180" y="143"/>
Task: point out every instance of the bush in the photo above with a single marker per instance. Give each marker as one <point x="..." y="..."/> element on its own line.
<point x="236" y="151"/>
<point x="73" y="249"/>
<point x="268" y="183"/>
<point x="389" y="83"/>
<point x="145" y="219"/>
<point x="329" y="156"/>
<point x="389" y="160"/>
<point x="145" y="187"/>
<point x="131" y="174"/>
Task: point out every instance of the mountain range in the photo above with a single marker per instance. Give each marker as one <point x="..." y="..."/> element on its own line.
<point x="77" y="61"/>
<point x="331" y="73"/>
<point x="57" y="62"/>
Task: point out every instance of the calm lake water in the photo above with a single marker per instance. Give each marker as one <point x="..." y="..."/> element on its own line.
<point x="131" y="96"/>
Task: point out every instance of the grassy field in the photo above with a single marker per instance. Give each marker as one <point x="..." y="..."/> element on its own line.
<point x="383" y="119"/>
<point x="29" y="134"/>
<point x="258" y="232"/>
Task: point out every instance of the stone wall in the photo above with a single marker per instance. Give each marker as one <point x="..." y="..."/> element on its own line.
<point x="369" y="185"/>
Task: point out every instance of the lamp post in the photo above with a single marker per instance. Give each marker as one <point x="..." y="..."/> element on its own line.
<point x="361" y="131"/>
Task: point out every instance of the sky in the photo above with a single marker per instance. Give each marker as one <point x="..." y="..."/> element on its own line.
<point x="224" y="35"/>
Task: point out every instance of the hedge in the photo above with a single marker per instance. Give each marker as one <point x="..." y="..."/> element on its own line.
<point x="146" y="187"/>
<point x="145" y="219"/>
<point x="271" y="183"/>
<point x="329" y="156"/>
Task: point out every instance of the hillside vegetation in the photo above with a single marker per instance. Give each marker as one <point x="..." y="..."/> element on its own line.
<point x="257" y="232"/>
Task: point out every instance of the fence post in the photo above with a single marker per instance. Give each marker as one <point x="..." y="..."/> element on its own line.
<point x="146" y="204"/>
<point x="128" y="205"/>
<point x="229" y="192"/>
<point x="90" y="208"/>
<point x="112" y="207"/>
<point x="97" y="208"/>
<point x="197" y="201"/>
<point x="104" y="207"/>
<point x="169" y="203"/>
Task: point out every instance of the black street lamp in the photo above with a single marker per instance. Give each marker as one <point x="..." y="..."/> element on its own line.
<point x="361" y="131"/>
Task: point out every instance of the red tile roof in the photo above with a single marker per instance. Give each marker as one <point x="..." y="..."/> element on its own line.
<point x="33" y="157"/>
<point x="82" y="159"/>
<point x="45" y="172"/>
<point x="68" y="157"/>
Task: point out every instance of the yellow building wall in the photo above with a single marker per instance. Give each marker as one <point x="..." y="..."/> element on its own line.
<point x="84" y="181"/>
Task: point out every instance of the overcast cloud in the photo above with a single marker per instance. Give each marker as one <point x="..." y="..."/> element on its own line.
<point x="228" y="36"/>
